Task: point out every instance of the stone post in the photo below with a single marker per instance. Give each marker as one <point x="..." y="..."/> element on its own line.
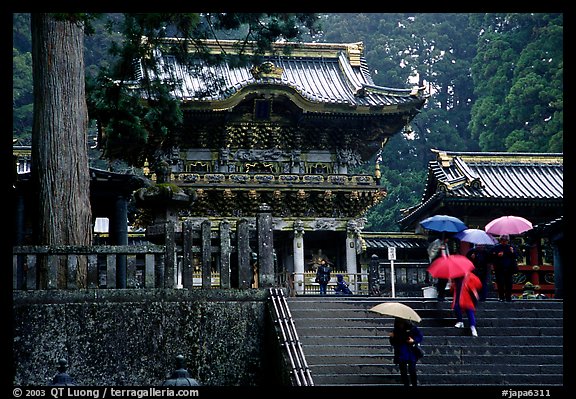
<point x="187" y="255"/>
<point x="119" y="230"/>
<point x="225" y="250"/>
<point x="206" y="228"/>
<point x="299" y="256"/>
<point x="351" y="265"/>
<point x="170" y="268"/>
<point x="62" y="378"/>
<point x="180" y="376"/>
<point x="265" y="247"/>
<point x="243" y="248"/>
<point x="374" y="276"/>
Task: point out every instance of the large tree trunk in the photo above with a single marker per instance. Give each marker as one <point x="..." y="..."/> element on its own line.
<point x="59" y="136"/>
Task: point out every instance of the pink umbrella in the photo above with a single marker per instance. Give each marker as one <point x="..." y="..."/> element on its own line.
<point x="508" y="225"/>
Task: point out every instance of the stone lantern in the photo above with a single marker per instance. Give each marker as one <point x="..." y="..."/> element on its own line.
<point x="180" y="376"/>
<point x="62" y="378"/>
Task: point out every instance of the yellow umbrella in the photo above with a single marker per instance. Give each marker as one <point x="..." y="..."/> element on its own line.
<point x="397" y="309"/>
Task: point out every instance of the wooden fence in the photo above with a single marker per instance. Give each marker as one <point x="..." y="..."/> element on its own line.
<point x="198" y="257"/>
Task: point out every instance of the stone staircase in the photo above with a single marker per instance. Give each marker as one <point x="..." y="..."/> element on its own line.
<point x="519" y="343"/>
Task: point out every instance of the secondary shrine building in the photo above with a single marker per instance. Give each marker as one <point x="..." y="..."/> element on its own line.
<point x="288" y="133"/>
<point x="478" y="187"/>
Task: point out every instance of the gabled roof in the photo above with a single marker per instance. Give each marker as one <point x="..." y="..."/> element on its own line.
<point x="332" y="75"/>
<point x="397" y="240"/>
<point x="491" y="178"/>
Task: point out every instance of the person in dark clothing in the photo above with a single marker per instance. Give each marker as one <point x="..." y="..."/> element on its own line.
<point x="342" y="287"/>
<point x="403" y="338"/>
<point x="504" y="257"/>
<point x="480" y="256"/>
<point x="323" y="275"/>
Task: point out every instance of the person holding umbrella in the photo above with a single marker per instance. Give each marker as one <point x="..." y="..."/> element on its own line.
<point x="437" y="248"/>
<point x="447" y="225"/>
<point x="480" y="257"/>
<point x="403" y="338"/>
<point x="504" y="257"/>
<point x="465" y="284"/>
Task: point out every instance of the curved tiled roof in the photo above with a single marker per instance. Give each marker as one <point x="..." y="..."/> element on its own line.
<point x="397" y="242"/>
<point x="323" y="74"/>
<point x="510" y="176"/>
<point x="491" y="177"/>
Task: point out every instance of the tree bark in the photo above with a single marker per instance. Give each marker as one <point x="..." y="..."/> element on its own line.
<point x="59" y="136"/>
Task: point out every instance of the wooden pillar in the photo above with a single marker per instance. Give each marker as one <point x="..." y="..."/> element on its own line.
<point x="206" y="228"/>
<point x="170" y="267"/>
<point x="532" y="260"/>
<point x="558" y="253"/>
<point x="20" y="274"/>
<point x="374" y="276"/>
<point x="187" y="255"/>
<point x="533" y="251"/>
<point x="265" y="247"/>
<point x="225" y="250"/>
<point x="243" y="250"/>
<point x="119" y="231"/>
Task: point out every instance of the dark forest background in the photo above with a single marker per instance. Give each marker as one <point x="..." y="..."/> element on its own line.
<point x="496" y="84"/>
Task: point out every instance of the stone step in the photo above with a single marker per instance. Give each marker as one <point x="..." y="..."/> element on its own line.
<point x="444" y="359"/>
<point x="345" y="344"/>
<point x="429" y="331"/>
<point x="374" y="340"/>
<point x="360" y="320"/>
<point x="391" y="379"/>
<point x="425" y="313"/>
<point x="417" y="304"/>
<point x="432" y="348"/>
<point x="431" y="369"/>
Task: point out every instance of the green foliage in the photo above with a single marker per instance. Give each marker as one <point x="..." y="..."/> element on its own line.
<point x="22" y="85"/>
<point x="518" y="77"/>
<point x="496" y="81"/>
<point x="439" y="49"/>
<point x="22" y="96"/>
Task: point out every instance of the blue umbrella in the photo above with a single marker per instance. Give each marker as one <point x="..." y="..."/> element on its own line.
<point x="443" y="223"/>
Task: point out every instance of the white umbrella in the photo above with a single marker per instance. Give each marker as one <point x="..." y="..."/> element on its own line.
<point x="397" y="309"/>
<point x="475" y="236"/>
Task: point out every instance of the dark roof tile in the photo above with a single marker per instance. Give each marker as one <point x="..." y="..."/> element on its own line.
<point x="330" y="78"/>
<point x="491" y="176"/>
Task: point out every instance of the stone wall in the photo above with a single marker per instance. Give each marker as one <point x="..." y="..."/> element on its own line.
<point x="132" y="337"/>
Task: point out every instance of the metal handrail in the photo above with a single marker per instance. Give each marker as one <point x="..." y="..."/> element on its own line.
<point x="290" y="341"/>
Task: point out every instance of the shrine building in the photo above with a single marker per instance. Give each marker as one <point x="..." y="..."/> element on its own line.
<point x="478" y="187"/>
<point x="286" y="133"/>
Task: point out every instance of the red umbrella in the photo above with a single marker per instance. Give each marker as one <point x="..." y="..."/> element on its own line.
<point x="508" y="225"/>
<point x="450" y="266"/>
